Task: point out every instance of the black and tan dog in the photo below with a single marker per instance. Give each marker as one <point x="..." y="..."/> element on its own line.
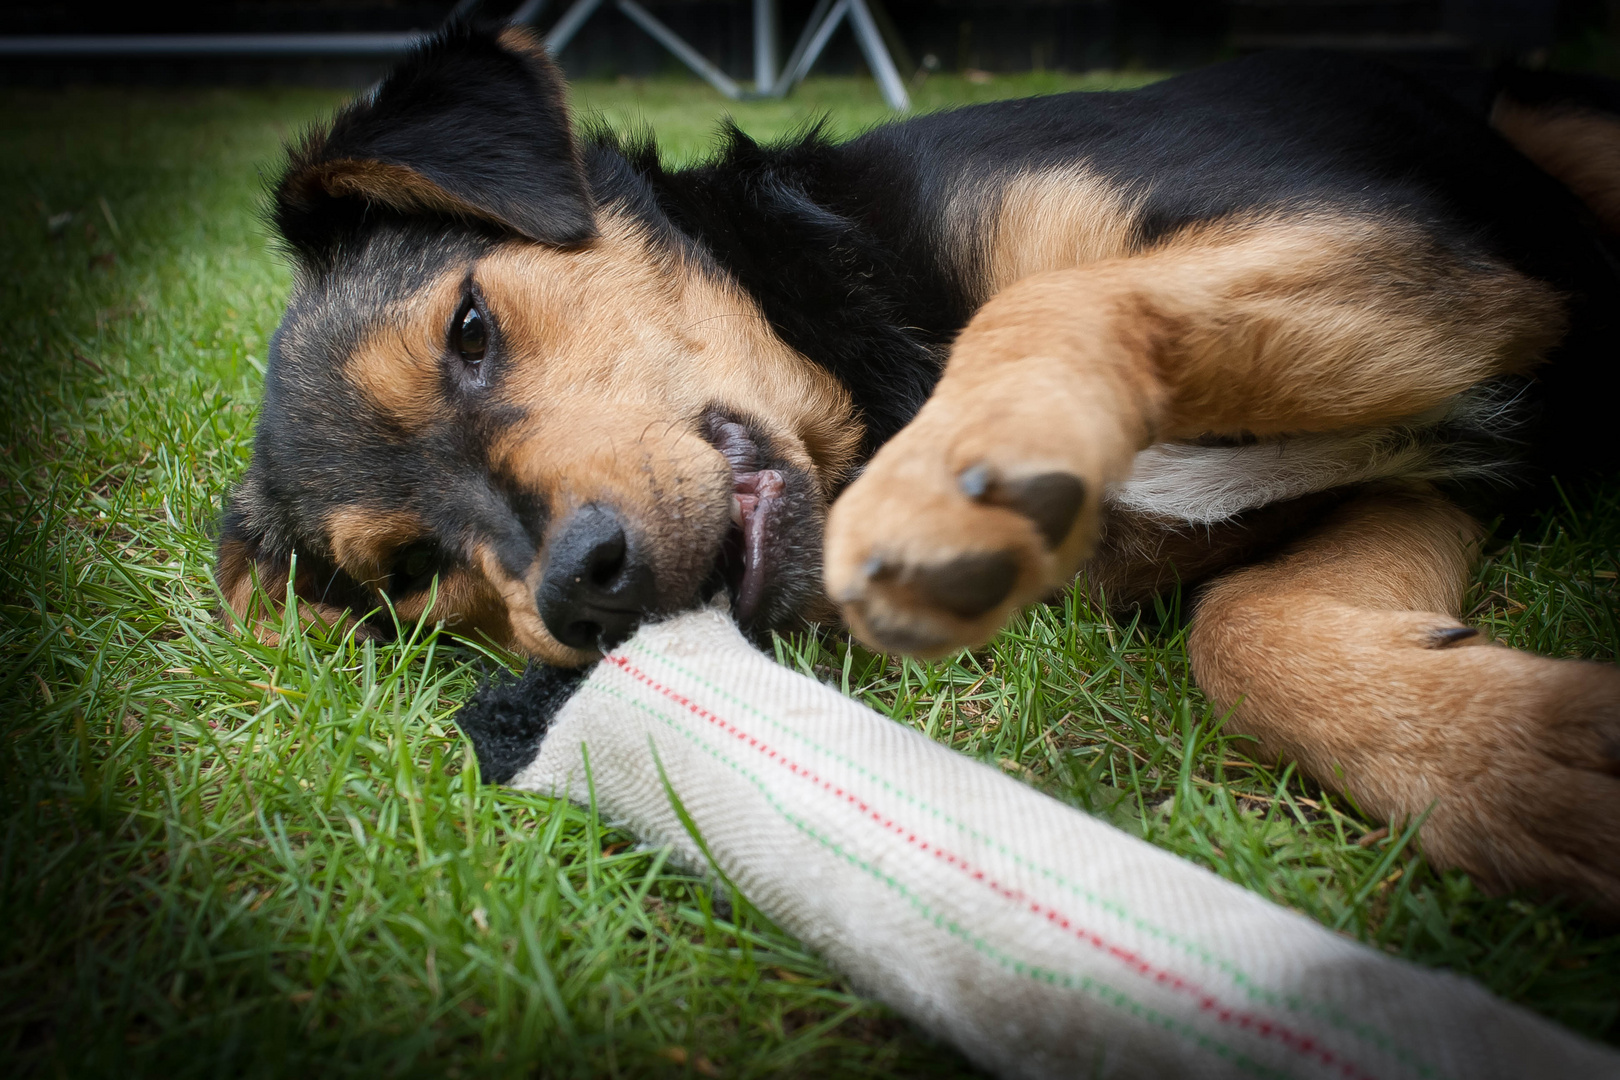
<point x="1241" y="327"/>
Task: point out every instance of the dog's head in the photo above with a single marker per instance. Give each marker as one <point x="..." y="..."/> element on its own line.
<point x="502" y="370"/>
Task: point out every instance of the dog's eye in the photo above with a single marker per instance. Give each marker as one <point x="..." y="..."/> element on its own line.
<point x="468" y="334"/>
<point x="414" y="567"/>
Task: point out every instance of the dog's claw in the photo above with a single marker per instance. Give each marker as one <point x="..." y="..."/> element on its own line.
<point x="1443" y="637"/>
<point x="1052" y="500"/>
<point x="975" y="480"/>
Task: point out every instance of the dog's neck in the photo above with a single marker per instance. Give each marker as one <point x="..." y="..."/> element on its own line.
<point x="837" y="276"/>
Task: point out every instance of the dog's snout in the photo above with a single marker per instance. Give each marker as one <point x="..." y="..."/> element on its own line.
<point x="595" y="589"/>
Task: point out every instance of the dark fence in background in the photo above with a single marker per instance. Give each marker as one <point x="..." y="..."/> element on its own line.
<point x="949" y="35"/>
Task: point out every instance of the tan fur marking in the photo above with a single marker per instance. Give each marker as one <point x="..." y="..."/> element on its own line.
<point x="664" y="335"/>
<point x="364" y="540"/>
<point x="1273" y="326"/>
<point x="234" y="571"/>
<point x="397" y="186"/>
<point x="520" y="39"/>
<point x="1054" y="220"/>
<point x="254" y="596"/>
<point x="1329" y="656"/>
<point x="1321" y="322"/>
<point x="398" y="366"/>
<point x="1579" y="147"/>
<point x="466" y="603"/>
<point x="1403" y="550"/>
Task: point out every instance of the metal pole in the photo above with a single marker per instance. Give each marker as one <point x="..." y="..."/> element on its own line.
<point x="377" y="44"/>
<point x="823" y="22"/>
<point x="689" y="56"/>
<point x="564" y="29"/>
<point x="764" y="45"/>
<point x="817" y="14"/>
<point x="813" y="47"/>
<point x="527" y="12"/>
<point x="877" y="55"/>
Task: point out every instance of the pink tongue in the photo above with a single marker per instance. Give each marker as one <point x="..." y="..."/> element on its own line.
<point x="757" y="493"/>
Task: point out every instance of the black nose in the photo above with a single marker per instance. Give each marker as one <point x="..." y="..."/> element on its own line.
<point x="595" y="589"/>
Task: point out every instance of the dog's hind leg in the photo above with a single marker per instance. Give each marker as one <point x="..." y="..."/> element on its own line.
<point x="1345" y="653"/>
<point x="1318" y="322"/>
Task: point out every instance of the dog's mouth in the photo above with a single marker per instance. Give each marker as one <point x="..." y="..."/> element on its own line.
<point x="771" y="554"/>
<point x="756" y="509"/>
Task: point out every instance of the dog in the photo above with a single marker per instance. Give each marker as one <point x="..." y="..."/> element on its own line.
<point x="1277" y="330"/>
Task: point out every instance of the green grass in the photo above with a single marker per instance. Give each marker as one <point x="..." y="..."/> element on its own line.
<point x="222" y="857"/>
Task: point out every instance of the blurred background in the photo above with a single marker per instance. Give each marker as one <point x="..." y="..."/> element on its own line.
<point x="349" y="42"/>
<point x="224" y="857"/>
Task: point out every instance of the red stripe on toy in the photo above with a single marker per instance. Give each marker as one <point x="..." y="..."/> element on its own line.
<point x="1207" y="1002"/>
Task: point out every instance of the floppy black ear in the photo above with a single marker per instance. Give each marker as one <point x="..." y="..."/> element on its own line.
<point x="472" y="124"/>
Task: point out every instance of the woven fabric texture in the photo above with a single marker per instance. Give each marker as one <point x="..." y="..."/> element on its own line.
<point x="1037" y="939"/>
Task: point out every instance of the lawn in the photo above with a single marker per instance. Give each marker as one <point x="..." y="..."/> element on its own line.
<point x="220" y="857"/>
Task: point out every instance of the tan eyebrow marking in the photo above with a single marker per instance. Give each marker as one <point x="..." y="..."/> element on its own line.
<point x="397" y="366"/>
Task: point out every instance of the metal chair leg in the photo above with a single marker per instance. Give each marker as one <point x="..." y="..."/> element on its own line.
<point x="564" y="29"/>
<point x="768" y="82"/>
<point x="764" y="45"/>
<point x="877" y="56"/>
<point x="683" y="52"/>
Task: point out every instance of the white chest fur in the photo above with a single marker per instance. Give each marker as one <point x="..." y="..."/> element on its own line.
<point x="1469" y="437"/>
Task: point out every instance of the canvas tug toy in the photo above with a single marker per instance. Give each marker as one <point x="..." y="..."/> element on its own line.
<point x="1039" y="941"/>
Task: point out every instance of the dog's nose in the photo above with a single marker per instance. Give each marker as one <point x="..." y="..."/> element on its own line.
<point x="595" y="590"/>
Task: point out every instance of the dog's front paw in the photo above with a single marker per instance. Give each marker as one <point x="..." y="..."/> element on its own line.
<point x="988" y="500"/>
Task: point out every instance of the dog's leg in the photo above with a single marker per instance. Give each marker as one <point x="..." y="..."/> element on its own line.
<point x="1344" y="653"/>
<point x="989" y="498"/>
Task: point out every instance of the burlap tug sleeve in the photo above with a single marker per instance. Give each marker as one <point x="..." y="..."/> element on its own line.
<point x="1037" y="939"/>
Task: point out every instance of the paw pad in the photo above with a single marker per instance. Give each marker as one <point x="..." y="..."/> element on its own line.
<point x="969" y="585"/>
<point x="966" y="586"/>
<point x="1051" y="500"/>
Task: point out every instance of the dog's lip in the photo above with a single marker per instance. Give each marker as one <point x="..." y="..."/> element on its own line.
<point x="740" y="449"/>
<point x="756" y="493"/>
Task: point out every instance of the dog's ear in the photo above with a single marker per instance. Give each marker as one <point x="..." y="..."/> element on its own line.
<point x="472" y="124"/>
<point x="253" y="562"/>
